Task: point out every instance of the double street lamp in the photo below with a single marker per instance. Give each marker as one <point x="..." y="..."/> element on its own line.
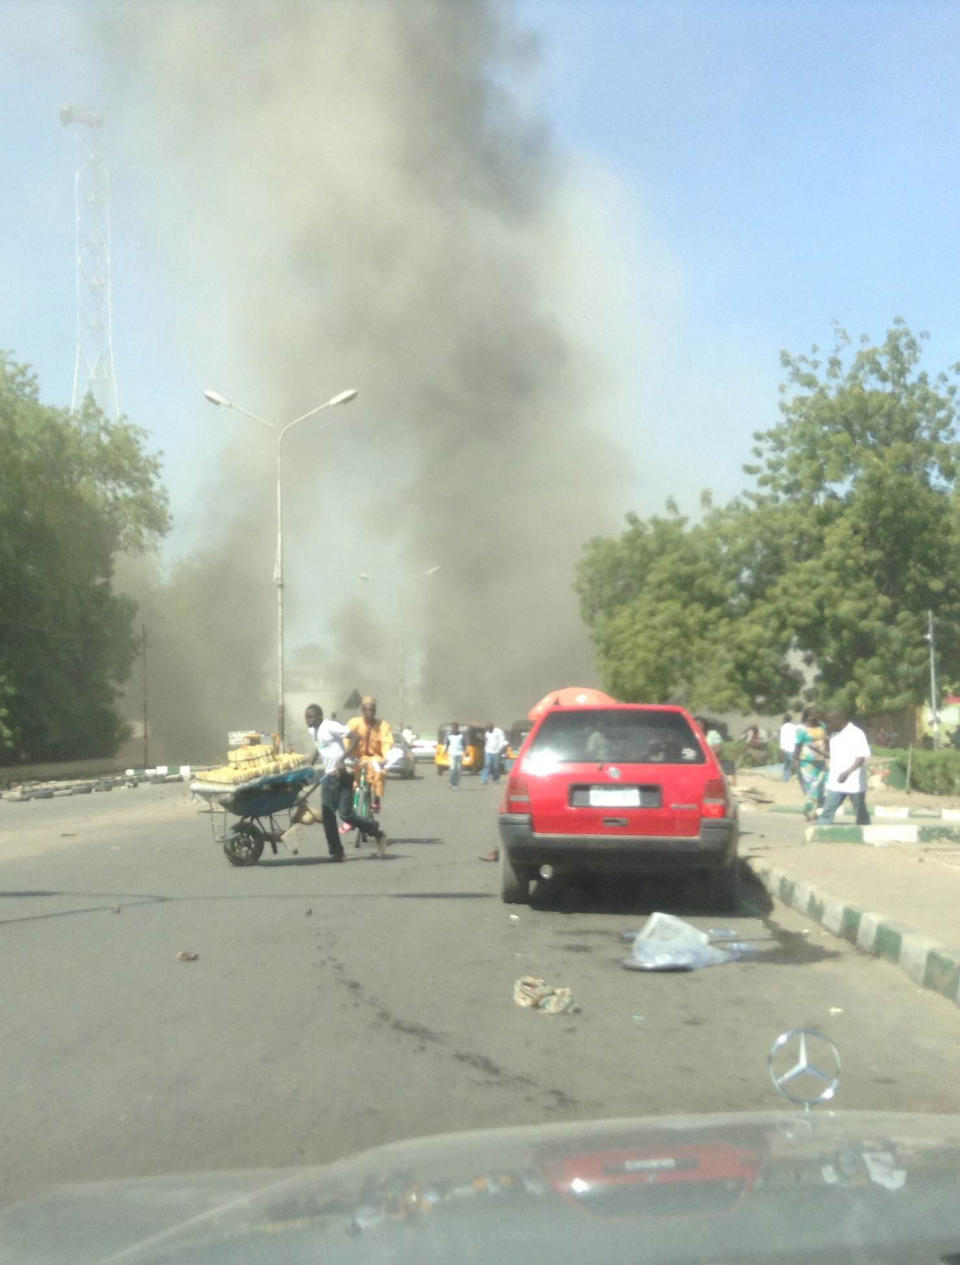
<point x="343" y="398"/>
<point x="399" y="587"/>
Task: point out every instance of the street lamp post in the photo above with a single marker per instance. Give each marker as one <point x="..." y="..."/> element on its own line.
<point x="344" y="397"/>
<point x="401" y="652"/>
<point x="934" y="692"/>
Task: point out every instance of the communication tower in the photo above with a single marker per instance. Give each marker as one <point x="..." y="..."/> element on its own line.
<point x="94" y="372"/>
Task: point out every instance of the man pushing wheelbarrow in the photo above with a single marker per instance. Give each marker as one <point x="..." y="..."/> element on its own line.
<point x="334" y="744"/>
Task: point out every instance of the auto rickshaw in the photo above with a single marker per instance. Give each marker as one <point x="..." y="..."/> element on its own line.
<point x="472" y="749"/>
<point x="515" y="736"/>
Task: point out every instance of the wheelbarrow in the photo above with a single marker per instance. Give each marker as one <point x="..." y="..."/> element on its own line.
<point x="256" y="803"/>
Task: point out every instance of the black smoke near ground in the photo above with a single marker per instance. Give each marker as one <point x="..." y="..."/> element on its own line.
<point x="348" y="194"/>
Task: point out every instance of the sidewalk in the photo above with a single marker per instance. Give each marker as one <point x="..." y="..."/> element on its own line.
<point x="900" y="901"/>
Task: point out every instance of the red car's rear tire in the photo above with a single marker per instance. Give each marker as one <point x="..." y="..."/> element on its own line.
<point x="514" y="883"/>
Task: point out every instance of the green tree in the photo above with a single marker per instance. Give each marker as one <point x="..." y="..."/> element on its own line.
<point x="74" y="492"/>
<point x="850" y="534"/>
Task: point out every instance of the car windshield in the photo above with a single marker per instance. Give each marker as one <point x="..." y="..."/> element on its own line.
<point x="627" y="737"/>
<point x="585" y="360"/>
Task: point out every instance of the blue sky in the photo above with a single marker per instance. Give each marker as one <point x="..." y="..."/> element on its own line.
<point x="798" y="164"/>
<point x="773" y="167"/>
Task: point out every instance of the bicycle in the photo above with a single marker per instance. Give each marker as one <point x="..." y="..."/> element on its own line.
<point x="363" y="807"/>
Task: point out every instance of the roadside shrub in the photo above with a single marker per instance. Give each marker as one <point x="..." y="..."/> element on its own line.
<point x="745" y="757"/>
<point x="931" y="772"/>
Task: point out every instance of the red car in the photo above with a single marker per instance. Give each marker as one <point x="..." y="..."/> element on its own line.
<point x="631" y="787"/>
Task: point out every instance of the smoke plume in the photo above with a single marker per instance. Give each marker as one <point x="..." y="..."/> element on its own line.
<point x="348" y="194"/>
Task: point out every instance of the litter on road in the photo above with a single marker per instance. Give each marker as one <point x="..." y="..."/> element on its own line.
<point x="535" y="994"/>
<point x="667" y="943"/>
<point x="186" y="956"/>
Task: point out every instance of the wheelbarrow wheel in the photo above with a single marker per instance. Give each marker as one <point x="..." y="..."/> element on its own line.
<point x="244" y="844"/>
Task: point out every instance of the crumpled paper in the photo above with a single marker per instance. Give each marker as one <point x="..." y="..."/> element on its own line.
<point x="535" y="994"/>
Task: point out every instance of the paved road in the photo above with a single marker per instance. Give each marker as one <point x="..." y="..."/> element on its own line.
<point x="335" y="1007"/>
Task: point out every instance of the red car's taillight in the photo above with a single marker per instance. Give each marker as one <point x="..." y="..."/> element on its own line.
<point x="517" y="799"/>
<point x="714" y="803"/>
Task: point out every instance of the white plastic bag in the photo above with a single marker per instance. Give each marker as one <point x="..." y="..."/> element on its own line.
<point x="666" y="943"/>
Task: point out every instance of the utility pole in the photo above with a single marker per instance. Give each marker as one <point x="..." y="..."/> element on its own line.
<point x="143" y="651"/>
<point x="934" y="696"/>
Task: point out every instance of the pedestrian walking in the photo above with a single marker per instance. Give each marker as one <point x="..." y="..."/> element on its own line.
<point x="788" y="746"/>
<point x="333" y="743"/>
<point x="811" y="761"/>
<point x="847" y="775"/>
<point x="494" y="740"/>
<point x="454" y="749"/>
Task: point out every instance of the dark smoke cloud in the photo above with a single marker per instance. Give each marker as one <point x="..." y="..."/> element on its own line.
<point x="348" y="194"/>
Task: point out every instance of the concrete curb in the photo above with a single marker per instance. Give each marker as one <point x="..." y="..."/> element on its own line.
<point x="929" y="964"/>
<point x="881" y="836"/>
<point x="129" y="780"/>
<point x="890" y="812"/>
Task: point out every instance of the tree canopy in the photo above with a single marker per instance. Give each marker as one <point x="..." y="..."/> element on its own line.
<point x="75" y="490"/>
<point x="849" y="534"/>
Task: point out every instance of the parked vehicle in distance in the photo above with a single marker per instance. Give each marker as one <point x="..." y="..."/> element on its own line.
<point x="401" y="761"/>
<point x="631" y="787"/>
<point x="423" y="748"/>
<point x="515" y="736"/>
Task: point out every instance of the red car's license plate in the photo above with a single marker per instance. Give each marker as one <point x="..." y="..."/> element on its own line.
<point x="614" y="796"/>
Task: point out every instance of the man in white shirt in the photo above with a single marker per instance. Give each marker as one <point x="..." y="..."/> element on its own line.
<point x="847" y="775"/>
<point x="494" y="740"/>
<point x="454" y="749"/>
<point x="334" y="742"/>
<point x="788" y="746"/>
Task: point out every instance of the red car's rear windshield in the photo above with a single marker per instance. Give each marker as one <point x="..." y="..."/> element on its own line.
<point x="590" y="735"/>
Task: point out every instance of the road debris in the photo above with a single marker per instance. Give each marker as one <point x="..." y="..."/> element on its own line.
<point x="186" y="956"/>
<point x="535" y="994"/>
<point x="751" y="795"/>
<point x="667" y="943"/>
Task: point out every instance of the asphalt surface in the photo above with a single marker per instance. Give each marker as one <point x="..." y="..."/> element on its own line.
<point x="335" y="1007"/>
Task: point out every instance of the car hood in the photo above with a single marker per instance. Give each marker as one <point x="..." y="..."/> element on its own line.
<point x="772" y="1186"/>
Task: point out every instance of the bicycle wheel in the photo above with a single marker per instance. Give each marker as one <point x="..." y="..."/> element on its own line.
<point x="362" y="806"/>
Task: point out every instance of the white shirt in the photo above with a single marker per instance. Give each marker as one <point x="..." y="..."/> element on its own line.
<point x="788" y="736"/>
<point x="494" y="741"/>
<point x="845" y="747"/>
<point x="329" y="736"/>
<point x="455" y="746"/>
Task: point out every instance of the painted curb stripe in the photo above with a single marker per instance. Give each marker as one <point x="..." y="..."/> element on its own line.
<point x="942" y="972"/>
<point x="881" y="836"/>
<point x="889" y="812"/>
<point x="888" y="942"/>
<point x="931" y="965"/>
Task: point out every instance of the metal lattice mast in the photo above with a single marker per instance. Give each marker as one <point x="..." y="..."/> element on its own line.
<point x="94" y="371"/>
